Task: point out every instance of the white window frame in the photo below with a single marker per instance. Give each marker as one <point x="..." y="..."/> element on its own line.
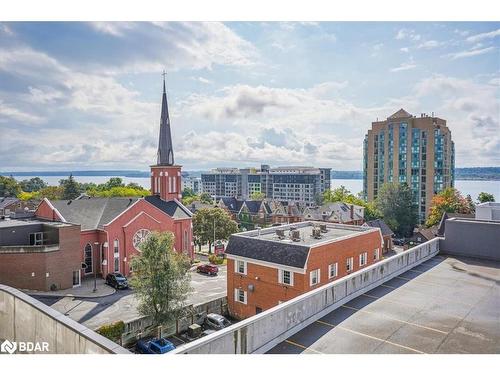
<point x="281" y="277"/>
<point x="333" y="266"/>
<point x="363" y="256"/>
<point x="349" y="264"/>
<point x="116" y="255"/>
<point x="237" y="295"/>
<point x="376" y="254"/>
<point x="237" y="268"/>
<point x="318" y="277"/>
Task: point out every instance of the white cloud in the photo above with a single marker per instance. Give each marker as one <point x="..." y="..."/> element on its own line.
<point x="113" y="28"/>
<point x="478" y="37"/>
<point x="404" y="49"/>
<point x="406" y="34"/>
<point x="8" y="111"/>
<point x="470" y="53"/>
<point x="403" y="67"/>
<point x="429" y="44"/>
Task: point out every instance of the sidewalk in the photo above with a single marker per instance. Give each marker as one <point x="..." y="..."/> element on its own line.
<point x="85" y="290"/>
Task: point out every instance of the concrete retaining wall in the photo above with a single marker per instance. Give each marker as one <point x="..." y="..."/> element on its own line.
<point x="24" y="319"/>
<point x="262" y="332"/>
<point x="472" y="238"/>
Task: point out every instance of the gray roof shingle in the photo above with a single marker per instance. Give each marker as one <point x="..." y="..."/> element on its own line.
<point x="172" y="208"/>
<point x="378" y="223"/>
<point x="287" y="254"/>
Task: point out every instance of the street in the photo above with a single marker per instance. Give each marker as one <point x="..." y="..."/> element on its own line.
<point x="122" y="305"/>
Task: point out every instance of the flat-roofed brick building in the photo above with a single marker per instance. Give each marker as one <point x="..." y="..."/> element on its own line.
<point x="269" y="266"/>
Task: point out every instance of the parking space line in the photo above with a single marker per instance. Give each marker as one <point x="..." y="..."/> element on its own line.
<point x="371" y="337"/>
<point x="396" y="319"/>
<point x="302" y="346"/>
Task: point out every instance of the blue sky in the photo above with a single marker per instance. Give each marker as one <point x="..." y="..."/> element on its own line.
<point x="87" y="95"/>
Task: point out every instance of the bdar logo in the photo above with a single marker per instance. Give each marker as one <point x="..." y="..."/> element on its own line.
<point x="8" y="347"/>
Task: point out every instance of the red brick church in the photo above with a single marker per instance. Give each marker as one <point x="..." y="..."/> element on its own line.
<point x="113" y="228"/>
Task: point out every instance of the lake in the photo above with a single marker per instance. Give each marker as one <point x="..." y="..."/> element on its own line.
<point x="472" y="187"/>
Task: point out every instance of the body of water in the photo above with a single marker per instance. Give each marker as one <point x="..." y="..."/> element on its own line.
<point x="472" y="187"/>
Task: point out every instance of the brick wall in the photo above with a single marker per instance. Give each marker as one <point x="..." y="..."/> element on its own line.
<point x="39" y="270"/>
<point x="268" y="292"/>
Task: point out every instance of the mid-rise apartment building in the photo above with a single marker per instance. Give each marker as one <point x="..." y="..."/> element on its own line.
<point x="193" y="183"/>
<point x="409" y="149"/>
<point x="290" y="184"/>
<point x="269" y="266"/>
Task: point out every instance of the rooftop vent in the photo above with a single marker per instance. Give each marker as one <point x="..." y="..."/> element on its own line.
<point x="295" y="234"/>
<point x="280" y="233"/>
<point x="316" y="233"/>
<point x="322" y="228"/>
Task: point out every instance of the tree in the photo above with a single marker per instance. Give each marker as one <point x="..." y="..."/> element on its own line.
<point x="71" y="188"/>
<point x="33" y="184"/>
<point x="119" y="191"/>
<point x="211" y="224"/>
<point x="394" y="201"/>
<point x="449" y="200"/>
<point x="188" y="192"/>
<point x="206" y="198"/>
<point x="470" y="203"/>
<point x="161" y="280"/>
<point x="9" y="187"/>
<point x="51" y="193"/>
<point x="257" y="196"/>
<point x="113" y="182"/>
<point x="485" y="197"/>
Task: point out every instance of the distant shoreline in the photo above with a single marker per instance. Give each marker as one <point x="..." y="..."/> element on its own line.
<point x="462" y="174"/>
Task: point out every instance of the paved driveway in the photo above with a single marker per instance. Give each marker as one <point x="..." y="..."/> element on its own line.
<point x="122" y="305"/>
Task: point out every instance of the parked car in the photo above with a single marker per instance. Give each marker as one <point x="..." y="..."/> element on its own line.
<point x="209" y="269"/>
<point x="216" y="322"/>
<point x="398" y="241"/>
<point x="154" y="346"/>
<point x="117" y="280"/>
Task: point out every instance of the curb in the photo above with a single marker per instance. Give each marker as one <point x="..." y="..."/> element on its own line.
<point x="51" y="295"/>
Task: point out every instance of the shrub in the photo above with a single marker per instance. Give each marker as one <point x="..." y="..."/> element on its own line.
<point x="112" y="331"/>
<point x="214" y="259"/>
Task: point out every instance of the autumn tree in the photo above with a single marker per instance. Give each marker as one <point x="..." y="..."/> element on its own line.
<point x="257" y="196"/>
<point x="211" y="224"/>
<point x="161" y="280"/>
<point x="449" y="200"/>
<point x="342" y="194"/>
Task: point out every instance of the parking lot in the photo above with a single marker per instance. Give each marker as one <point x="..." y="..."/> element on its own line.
<point x="444" y="305"/>
<point x="122" y="305"/>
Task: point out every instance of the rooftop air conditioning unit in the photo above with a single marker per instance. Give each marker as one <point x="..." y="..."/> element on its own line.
<point x="322" y="228"/>
<point x="316" y="232"/>
<point x="280" y="233"/>
<point x="295" y="235"/>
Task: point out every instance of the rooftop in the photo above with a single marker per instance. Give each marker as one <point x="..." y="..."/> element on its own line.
<point x="10" y="223"/>
<point x="333" y="232"/>
<point x="269" y="246"/>
<point x="444" y="305"/>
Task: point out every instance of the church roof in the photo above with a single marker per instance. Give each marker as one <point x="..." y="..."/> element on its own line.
<point x="92" y="213"/>
<point x="165" y="148"/>
<point x="172" y="208"/>
<point x="400" y="114"/>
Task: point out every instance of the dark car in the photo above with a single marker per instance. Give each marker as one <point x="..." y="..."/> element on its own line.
<point x="398" y="241"/>
<point x="117" y="280"/>
<point x="216" y="322"/>
<point x="154" y="346"/>
<point x="209" y="269"/>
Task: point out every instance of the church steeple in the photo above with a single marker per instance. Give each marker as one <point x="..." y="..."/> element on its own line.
<point x="165" y="149"/>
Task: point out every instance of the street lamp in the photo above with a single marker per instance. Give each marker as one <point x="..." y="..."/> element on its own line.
<point x="95" y="269"/>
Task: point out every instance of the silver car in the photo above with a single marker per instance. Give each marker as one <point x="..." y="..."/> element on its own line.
<point x="216" y="322"/>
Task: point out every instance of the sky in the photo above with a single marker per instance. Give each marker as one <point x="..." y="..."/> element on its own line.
<point x="77" y="96"/>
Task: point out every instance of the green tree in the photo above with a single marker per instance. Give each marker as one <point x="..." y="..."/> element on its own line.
<point x="9" y="187"/>
<point x="119" y="191"/>
<point x="51" y="193"/>
<point x="449" y="200"/>
<point x="206" y="198"/>
<point x="257" y="196"/>
<point x="113" y="182"/>
<point x="188" y="192"/>
<point x="33" y="184"/>
<point x="485" y="197"/>
<point x="211" y="224"/>
<point x="394" y="201"/>
<point x="161" y="280"/>
<point x="71" y="188"/>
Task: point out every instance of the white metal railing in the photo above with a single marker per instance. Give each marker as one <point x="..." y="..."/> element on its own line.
<point x="262" y="332"/>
